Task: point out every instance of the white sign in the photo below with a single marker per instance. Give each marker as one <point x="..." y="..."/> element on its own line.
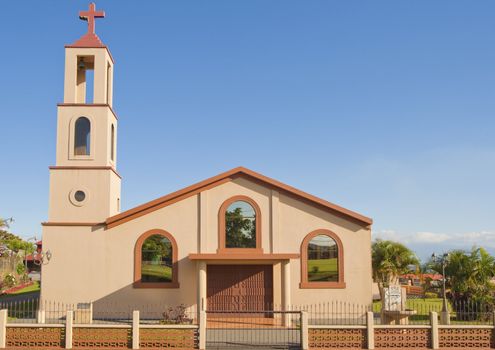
<point x="393" y="298"/>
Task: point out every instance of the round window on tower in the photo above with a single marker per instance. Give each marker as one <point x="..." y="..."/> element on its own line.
<point x="78" y="197"/>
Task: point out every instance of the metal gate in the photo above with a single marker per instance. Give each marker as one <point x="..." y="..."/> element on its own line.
<point x="253" y="330"/>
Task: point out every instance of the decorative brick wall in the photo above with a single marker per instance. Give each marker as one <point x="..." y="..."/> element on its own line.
<point x="33" y="337"/>
<point x="51" y="337"/>
<point x="168" y="338"/>
<point x="100" y="338"/>
<point x="402" y="338"/>
<point x="466" y="338"/>
<point x="325" y="338"/>
<point x="36" y="337"/>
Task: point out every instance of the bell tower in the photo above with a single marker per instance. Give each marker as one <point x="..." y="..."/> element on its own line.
<point x="84" y="183"/>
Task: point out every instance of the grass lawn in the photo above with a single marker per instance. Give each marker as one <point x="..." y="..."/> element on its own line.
<point x="323" y="270"/>
<point x="35" y="287"/>
<point x="423" y="307"/>
<point x="156" y="273"/>
<point x="420" y="305"/>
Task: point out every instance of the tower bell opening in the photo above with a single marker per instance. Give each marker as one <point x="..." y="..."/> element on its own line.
<point x="85" y="79"/>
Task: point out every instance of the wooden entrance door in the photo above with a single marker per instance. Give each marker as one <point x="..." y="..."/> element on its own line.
<point x="239" y="287"/>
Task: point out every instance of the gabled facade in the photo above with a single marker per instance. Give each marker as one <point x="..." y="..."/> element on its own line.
<point x="236" y="241"/>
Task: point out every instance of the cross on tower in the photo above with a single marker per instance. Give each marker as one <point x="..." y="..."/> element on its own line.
<point x="90" y="17"/>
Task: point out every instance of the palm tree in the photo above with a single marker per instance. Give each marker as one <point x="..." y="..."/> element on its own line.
<point x="4" y="223"/>
<point x="389" y="261"/>
<point x="468" y="275"/>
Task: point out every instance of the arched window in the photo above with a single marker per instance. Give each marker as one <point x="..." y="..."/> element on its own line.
<point x="239" y="226"/>
<point x="322" y="263"/>
<point x="112" y="143"/>
<point x="82" y="137"/>
<point x="156" y="261"/>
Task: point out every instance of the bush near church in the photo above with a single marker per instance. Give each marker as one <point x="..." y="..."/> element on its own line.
<point x="12" y="251"/>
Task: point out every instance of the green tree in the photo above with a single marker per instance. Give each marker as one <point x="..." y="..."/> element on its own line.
<point x="5" y="235"/>
<point x="14" y="247"/>
<point x="468" y="275"/>
<point x="12" y="242"/>
<point x="389" y="261"/>
<point x="4" y="224"/>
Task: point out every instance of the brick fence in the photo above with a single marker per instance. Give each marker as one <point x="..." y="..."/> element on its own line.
<point x="433" y="336"/>
<point x="154" y="336"/>
<point x="96" y="336"/>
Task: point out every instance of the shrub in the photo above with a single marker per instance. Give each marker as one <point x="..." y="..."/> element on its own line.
<point x="9" y="280"/>
<point x="431" y="295"/>
<point x="20" y="269"/>
<point x="315" y="269"/>
<point x="176" y="315"/>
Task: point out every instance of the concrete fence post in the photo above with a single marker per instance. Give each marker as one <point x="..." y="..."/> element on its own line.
<point x="202" y="330"/>
<point x="69" y="320"/>
<point x="370" y="329"/>
<point x="135" y="329"/>
<point x="41" y="316"/>
<point x="304" y="331"/>
<point x="3" y="328"/>
<point x="434" y="330"/>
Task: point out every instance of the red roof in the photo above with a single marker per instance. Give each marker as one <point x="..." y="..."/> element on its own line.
<point x="30" y="258"/>
<point x="229" y="176"/>
<point x="88" y="40"/>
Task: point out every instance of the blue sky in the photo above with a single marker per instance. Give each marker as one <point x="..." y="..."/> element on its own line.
<point x="384" y="107"/>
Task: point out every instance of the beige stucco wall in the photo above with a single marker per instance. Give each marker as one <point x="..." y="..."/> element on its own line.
<point x="297" y="219"/>
<point x="91" y="173"/>
<point x="102" y="188"/>
<point x="98" y="265"/>
<point x="101" y="118"/>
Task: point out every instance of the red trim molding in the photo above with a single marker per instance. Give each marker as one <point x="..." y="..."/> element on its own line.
<point x="243" y="256"/>
<point x="138" y="260"/>
<point x="222" y="249"/>
<point x="157" y="204"/>
<point x="305" y="284"/>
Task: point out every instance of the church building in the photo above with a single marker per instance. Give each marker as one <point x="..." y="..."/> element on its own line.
<point x="236" y="241"/>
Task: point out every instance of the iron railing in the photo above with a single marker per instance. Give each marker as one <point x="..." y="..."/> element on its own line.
<point x="36" y="311"/>
<point x="335" y="313"/>
<point x="21" y="311"/>
<point x="417" y="311"/>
